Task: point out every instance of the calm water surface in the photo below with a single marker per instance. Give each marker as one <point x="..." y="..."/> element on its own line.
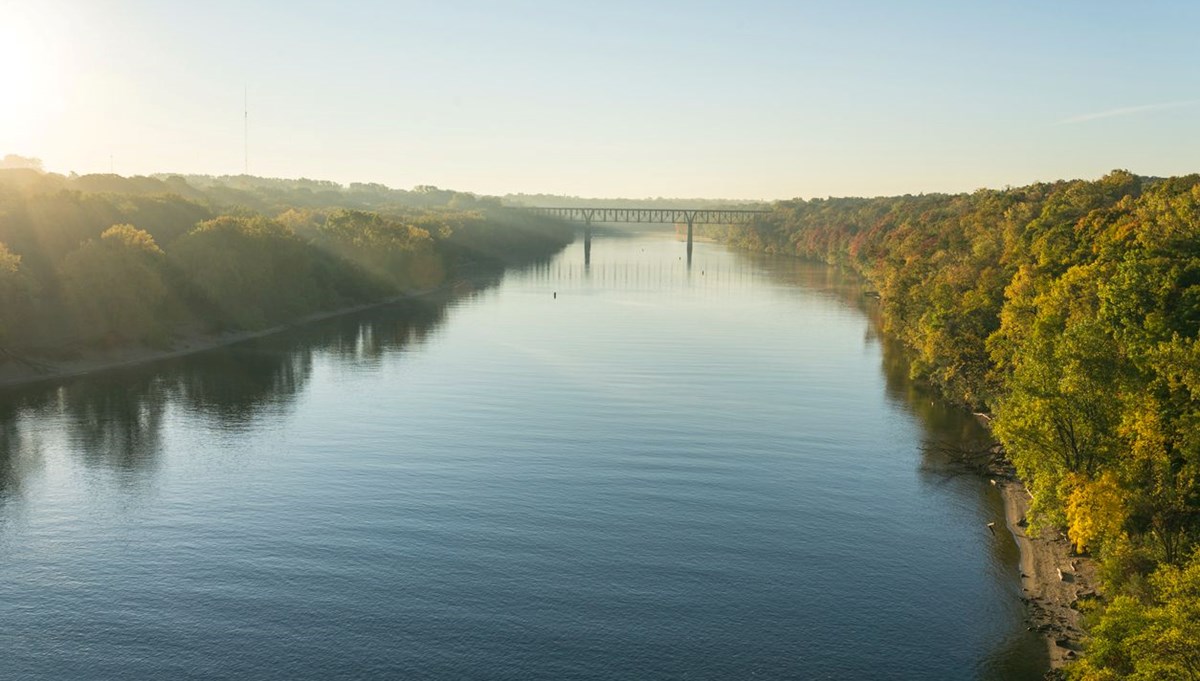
<point x="661" y="473"/>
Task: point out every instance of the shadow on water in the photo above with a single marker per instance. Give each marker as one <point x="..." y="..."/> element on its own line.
<point x="12" y="453"/>
<point x="1021" y="655"/>
<point x="115" y="424"/>
<point x="115" y="419"/>
<point x="942" y="427"/>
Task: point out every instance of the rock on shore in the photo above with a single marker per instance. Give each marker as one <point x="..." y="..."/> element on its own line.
<point x="1053" y="580"/>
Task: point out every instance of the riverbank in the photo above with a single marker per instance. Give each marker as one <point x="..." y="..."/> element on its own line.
<point x="32" y="370"/>
<point x="1053" y="581"/>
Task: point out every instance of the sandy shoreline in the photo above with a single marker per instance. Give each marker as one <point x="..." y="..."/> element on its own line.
<point x="1052" y="580"/>
<point x="16" y="374"/>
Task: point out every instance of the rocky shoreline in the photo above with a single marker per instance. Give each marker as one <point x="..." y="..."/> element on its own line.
<point x="1053" y="579"/>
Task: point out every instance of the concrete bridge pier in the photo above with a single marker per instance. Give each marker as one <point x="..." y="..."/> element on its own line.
<point x="691" y="218"/>
<point x="587" y="238"/>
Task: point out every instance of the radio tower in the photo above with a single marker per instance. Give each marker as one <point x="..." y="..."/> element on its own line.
<point x="245" y="130"/>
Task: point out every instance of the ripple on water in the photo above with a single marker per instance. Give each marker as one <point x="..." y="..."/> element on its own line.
<point x="651" y="475"/>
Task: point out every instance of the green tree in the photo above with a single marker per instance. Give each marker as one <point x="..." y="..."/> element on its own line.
<point x="16" y="297"/>
<point x="1153" y="640"/>
<point x="116" y="286"/>
<point x="250" y="272"/>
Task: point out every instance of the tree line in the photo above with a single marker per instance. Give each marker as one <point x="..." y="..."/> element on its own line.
<point x="1070" y="312"/>
<point x="102" y="261"/>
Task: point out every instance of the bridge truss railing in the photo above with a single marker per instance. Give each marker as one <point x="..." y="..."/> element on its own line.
<point x="675" y="216"/>
<point x="689" y="216"/>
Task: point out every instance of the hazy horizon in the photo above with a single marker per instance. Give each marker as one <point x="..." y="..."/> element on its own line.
<point x="760" y="102"/>
<point x="535" y="194"/>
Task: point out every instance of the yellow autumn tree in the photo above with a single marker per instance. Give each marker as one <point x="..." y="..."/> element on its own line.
<point x="1096" y="510"/>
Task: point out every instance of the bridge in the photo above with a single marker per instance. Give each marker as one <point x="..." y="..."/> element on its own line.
<point x="674" y="216"/>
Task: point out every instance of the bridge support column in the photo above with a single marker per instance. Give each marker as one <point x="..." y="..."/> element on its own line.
<point x="587" y="240"/>
<point x="690" y="219"/>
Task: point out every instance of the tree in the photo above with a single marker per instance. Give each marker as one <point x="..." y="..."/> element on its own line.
<point x="1153" y="640"/>
<point x="1059" y="416"/>
<point x="16" y="296"/>
<point x="116" y="286"/>
<point x="251" y="272"/>
<point x="13" y="161"/>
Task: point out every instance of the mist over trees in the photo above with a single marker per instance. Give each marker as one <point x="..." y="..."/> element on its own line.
<point x="1071" y="312"/>
<point x="102" y="260"/>
<point x="13" y="161"/>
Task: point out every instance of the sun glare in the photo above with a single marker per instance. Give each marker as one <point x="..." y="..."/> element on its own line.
<point x="31" y="86"/>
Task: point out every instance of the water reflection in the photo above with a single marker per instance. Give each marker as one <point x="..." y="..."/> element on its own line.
<point x="115" y="420"/>
<point x="943" y="428"/>
<point x="116" y="424"/>
<point x="238" y="386"/>
<point x="11" y="458"/>
<point x="363" y="340"/>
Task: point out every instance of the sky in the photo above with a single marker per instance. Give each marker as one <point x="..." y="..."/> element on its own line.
<point x="746" y="100"/>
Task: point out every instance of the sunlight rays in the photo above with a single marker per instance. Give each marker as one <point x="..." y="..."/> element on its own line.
<point x="32" y="82"/>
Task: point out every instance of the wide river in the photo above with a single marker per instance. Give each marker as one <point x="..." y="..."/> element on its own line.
<point x="626" y="470"/>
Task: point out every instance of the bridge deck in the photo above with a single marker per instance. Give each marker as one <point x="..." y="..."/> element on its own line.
<point x="699" y="216"/>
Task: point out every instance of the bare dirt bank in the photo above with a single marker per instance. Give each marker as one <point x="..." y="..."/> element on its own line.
<point x="1052" y="579"/>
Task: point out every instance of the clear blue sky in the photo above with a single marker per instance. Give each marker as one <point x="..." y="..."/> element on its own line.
<point x="732" y="99"/>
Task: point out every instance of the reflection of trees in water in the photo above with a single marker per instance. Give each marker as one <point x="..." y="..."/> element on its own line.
<point x="942" y="424"/>
<point x="235" y="385"/>
<point x="828" y="281"/>
<point x="11" y="452"/>
<point x="817" y="277"/>
<point x="115" y="420"/>
<point x="116" y="423"/>
<point x="18" y="451"/>
<point x="364" y="339"/>
<point x="481" y="279"/>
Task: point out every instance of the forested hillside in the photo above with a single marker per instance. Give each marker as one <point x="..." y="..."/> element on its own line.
<point x="1070" y="311"/>
<point x="103" y="260"/>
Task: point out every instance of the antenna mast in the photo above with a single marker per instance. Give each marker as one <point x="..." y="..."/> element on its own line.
<point x="245" y="130"/>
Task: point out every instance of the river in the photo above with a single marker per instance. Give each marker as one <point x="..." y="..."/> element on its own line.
<point x="629" y="469"/>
